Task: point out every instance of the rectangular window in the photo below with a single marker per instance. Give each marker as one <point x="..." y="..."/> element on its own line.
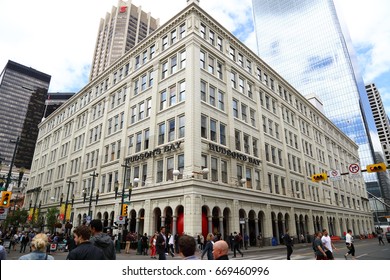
<point x="203" y="91"/>
<point x="149" y="107"/>
<point x="164" y="70"/>
<point x="203" y="31"/>
<point x="171" y="132"/>
<point x="214" y="169"/>
<point x="138" y="142"/>
<point x="211" y="65"/>
<point x="141" y="111"/>
<point x="246" y="143"/>
<point x="233" y="79"/>
<point x="224" y="174"/>
<point x="161" y="133"/>
<point x="182" y="31"/>
<point x="202" y="60"/>
<point x="182" y="91"/>
<point x="253" y="118"/>
<point x="235" y="108"/>
<point x="213" y="130"/>
<point x="146" y="139"/>
<point x="165" y="43"/>
<point x="203" y="124"/>
<point x="173" y="36"/>
<point x="143" y="82"/>
<point x="163" y="100"/>
<point x="219" y="70"/>
<point x="244" y="109"/>
<point x="222" y="134"/>
<point x="173" y="64"/>
<point x="237" y="137"/>
<point x="212" y="95"/>
<point x="180" y="166"/>
<point x="172" y="95"/>
<point x="221" y="100"/>
<point x="160" y="171"/>
<point x="232" y="53"/>
<point x="170" y="166"/>
<point x="182" y="124"/>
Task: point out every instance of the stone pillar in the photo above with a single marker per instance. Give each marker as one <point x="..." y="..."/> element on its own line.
<point x="267" y="234"/>
<point x="174" y="225"/>
<point x="257" y="230"/>
<point x="221" y="229"/>
<point x="247" y="230"/>
<point x="137" y="226"/>
<point x="209" y="224"/>
<point x="162" y="221"/>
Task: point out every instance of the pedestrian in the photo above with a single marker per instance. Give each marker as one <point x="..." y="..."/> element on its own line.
<point x="145" y="245"/>
<point x="38" y="249"/>
<point x="327" y="244"/>
<point x="161" y="242"/>
<point x="236" y="244"/>
<point x="153" y="245"/>
<point x="171" y="243"/>
<point x="260" y="240"/>
<point x="208" y="248"/>
<point x="128" y="241"/>
<point x="201" y="241"/>
<point x="350" y="246"/>
<point x="187" y="247"/>
<point x="246" y="241"/>
<point x="85" y="250"/>
<point x="288" y="242"/>
<point x="3" y="253"/>
<point x="102" y="240"/>
<point x="177" y="243"/>
<point x="220" y="250"/>
<point x="319" y="247"/>
<point x="23" y="242"/>
<point x="231" y="241"/>
<point x="380" y="238"/>
<point x="302" y="238"/>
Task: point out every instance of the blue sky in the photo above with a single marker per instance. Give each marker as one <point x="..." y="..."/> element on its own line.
<point x="58" y="37"/>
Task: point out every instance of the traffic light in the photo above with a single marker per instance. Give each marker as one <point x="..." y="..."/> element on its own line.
<point x="5" y="199"/>
<point x="377" y="167"/>
<point x="319" y="177"/>
<point x="124" y="209"/>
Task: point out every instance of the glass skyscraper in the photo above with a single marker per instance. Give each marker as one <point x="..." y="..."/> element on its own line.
<point x="310" y="47"/>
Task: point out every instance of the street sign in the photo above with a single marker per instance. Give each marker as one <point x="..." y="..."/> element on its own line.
<point x="120" y="220"/>
<point x="354" y="170"/>
<point x="334" y="175"/>
<point x="3" y="213"/>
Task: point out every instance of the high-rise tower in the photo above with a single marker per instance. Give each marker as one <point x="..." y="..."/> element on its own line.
<point x="23" y="93"/>
<point x="308" y="45"/>
<point x="121" y="29"/>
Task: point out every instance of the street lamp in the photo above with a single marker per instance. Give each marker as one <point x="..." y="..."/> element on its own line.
<point x="94" y="175"/>
<point x="204" y="171"/>
<point x="66" y="201"/>
<point x="36" y="190"/>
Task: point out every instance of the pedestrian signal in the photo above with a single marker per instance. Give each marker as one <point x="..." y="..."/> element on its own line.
<point x="5" y="199"/>
<point x="377" y="167"/>
<point x="124" y="209"/>
<point x="319" y="177"/>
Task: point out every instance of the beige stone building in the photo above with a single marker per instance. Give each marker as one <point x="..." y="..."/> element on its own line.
<point x="208" y="136"/>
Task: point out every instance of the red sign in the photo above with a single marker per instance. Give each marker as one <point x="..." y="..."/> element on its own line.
<point x="2" y="211"/>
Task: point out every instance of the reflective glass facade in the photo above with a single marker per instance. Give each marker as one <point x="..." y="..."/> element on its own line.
<point x="306" y="43"/>
<point x="23" y="93"/>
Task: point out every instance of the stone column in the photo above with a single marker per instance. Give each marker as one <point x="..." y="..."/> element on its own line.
<point x="210" y="224"/>
<point x="162" y="221"/>
<point x="257" y="231"/>
<point x="221" y="229"/>
<point x="247" y="230"/>
<point x="137" y="226"/>
<point x="174" y="225"/>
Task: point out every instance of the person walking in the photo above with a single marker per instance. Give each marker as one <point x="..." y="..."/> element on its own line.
<point x="288" y="241"/>
<point x="187" y="247"/>
<point x="102" y="240"/>
<point x="327" y="244"/>
<point x="221" y="250"/>
<point x="128" y="241"/>
<point x="231" y="241"/>
<point x="171" y="243"/>
<point x="350" y="246"/>
<point x="236" y="244"/>
<point x="208" y="248"/>
<point x="85" y="250"/>
<point x="161" y="242"/>
<point x="38" y="249"/>
<point x="380" y="238"/>
<point x="153" y="245"/>
<point x="318" y="247"/>
<point x="246" y="241"/>
<point x="3" y="253"/>
<point x="23" y="242"/>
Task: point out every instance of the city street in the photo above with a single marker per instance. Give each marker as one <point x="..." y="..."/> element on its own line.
<point x="367" y="249"/>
